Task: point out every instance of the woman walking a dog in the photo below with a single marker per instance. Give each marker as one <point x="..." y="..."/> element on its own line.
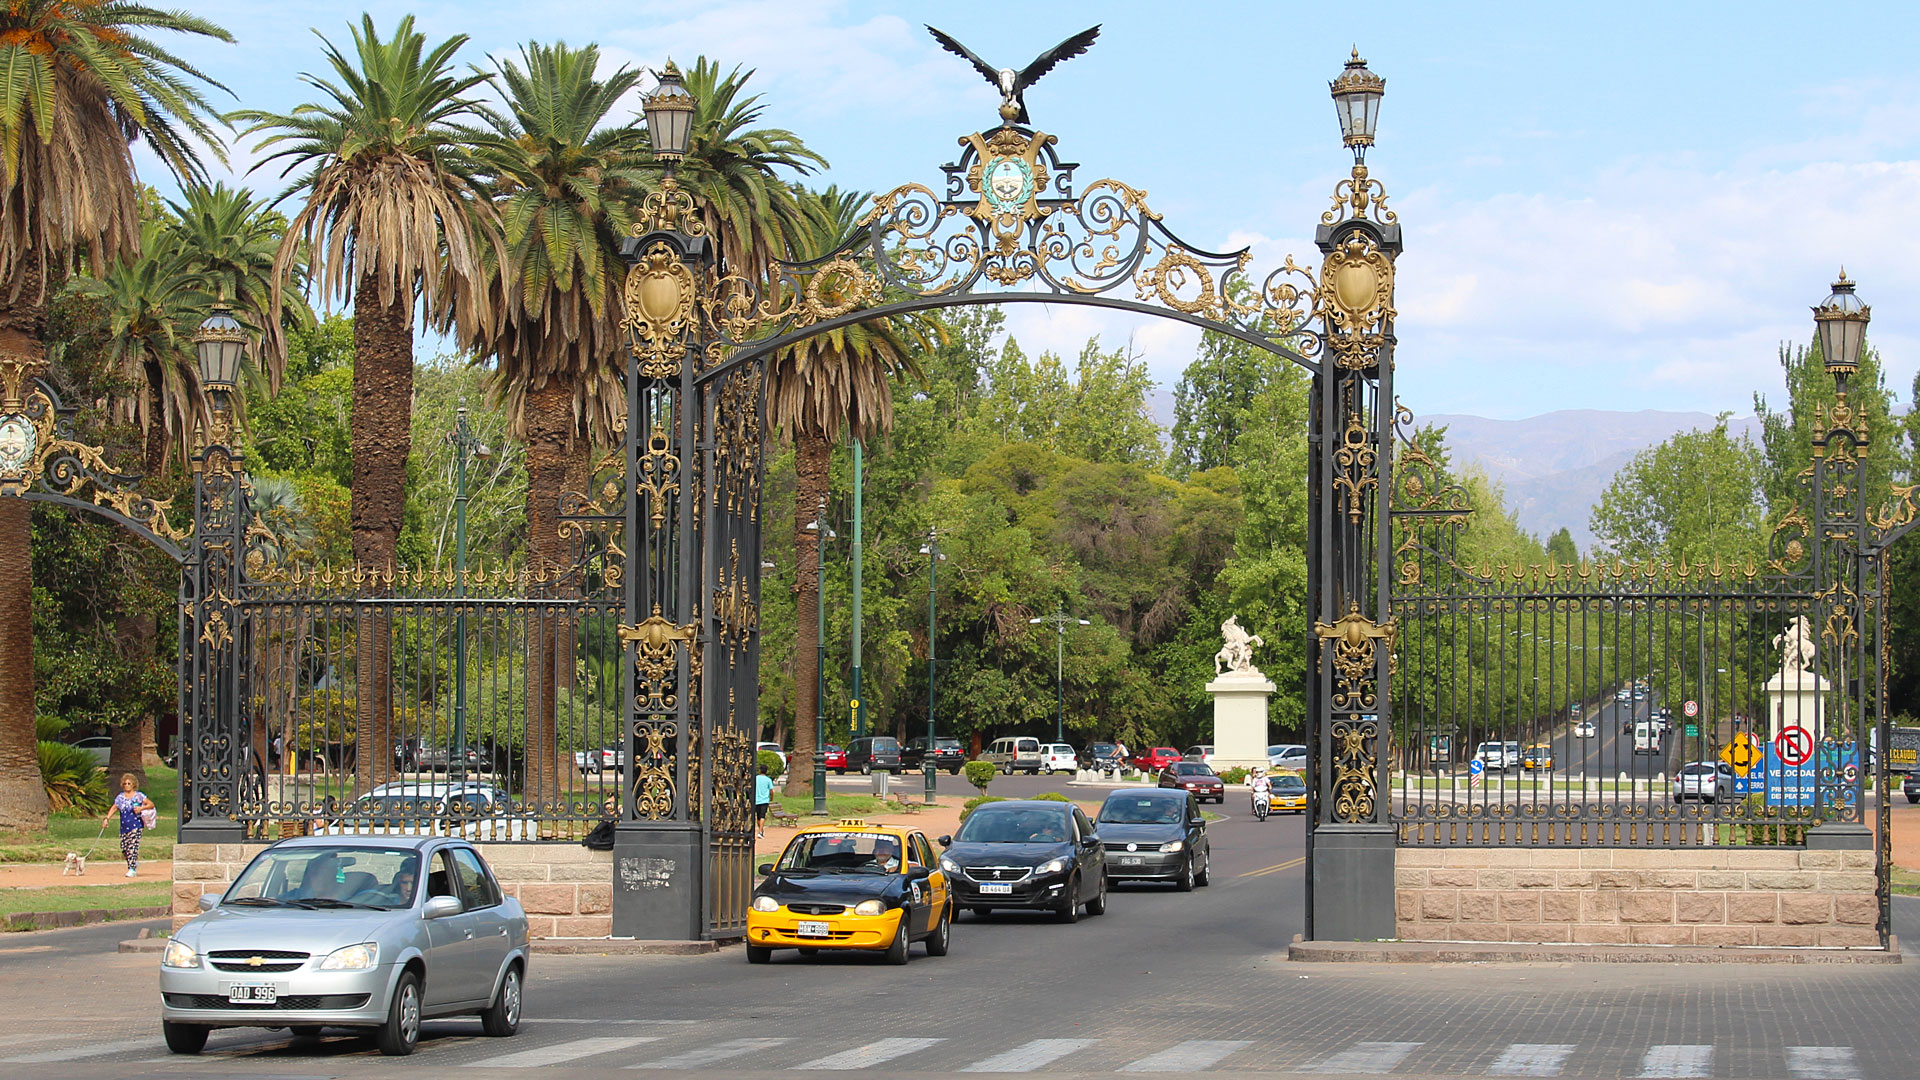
<point x="135" y="811"/>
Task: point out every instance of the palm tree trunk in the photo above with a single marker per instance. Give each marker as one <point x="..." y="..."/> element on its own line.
<point x="23" y="798"/>
<point x="382" y="438"/>
<point x="549" y="424"/>
<point x="812" y="457"/>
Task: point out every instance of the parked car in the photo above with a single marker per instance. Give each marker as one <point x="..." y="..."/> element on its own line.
<point x="1155" y="759"/>
<point x="1196" y="777"/>
<point x="1202" y="754"/>
<point x="834" y="757"/>
<point x="948" y="754"/>
<point x="1014" y="753"/>
<point x="1154" y="835"/>
<point x="1101" y="757"/>
<point x="1708" y="781"/>
<point x="411" y="755"/>
<point x="1058" y="757"/>
<point x="1499" y="755"/>
<point x="1027" y="854"/>
<point x="1910" y="787"/>
<point x="852" y="885"/>
<point x="470" y="810"/>
<point x="872" y="752"/>
<point x="605" y="759"/>
<point x="774" y="749"/>
<point x="328" y="932"/>
<point x="1287" y="756"/>
<point x="100" y="746"/>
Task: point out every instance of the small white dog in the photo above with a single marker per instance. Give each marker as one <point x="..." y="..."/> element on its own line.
<point x="76" y="865"/>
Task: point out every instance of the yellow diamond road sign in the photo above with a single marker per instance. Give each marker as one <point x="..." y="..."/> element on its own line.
<point x="1743" y="753"/>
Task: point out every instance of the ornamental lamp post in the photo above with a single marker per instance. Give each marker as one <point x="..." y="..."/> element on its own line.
<point x="819" y="525"/>
<point x="1059" y="620"/>
<point x="219" y="344"/>
<point x="1356" y="99"/>
<point x="669" y="112"/>
<point x="1841" y="322"/>
<point x="931" y="549"/>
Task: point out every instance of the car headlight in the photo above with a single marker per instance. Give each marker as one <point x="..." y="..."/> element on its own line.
<point x="1053" y="866"/>
<point x="352" y="958"/>
<point x="949" y="865"/>
<point x="179" y="955"/>
<point x="1172" y="846"/>
<point x="870" y="907"/>
<point x="765" y="903"/>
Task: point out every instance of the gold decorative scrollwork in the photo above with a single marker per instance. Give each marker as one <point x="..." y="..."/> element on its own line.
<point x="669" y="208"/>
<point x="1009" y="178"/>
<point x="1359" y="196"/>
<point x="1354" y="767"/>
<point x="659" y="475"/>
<point x="1787" y="543"/>
<point x="1355" y="639"/>
<point x="655" y="660"/>
<point x="659" y="297"/>
<point x="733" y="770"/>
<point x="1356" y="299"/>
<point x="737" y="439"/>
<point x="1355" y="459"/>
<point x="653" y="786"/>
<point x="733" y="607"/>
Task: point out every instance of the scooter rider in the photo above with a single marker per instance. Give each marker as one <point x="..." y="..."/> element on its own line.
<point x="1262" y="790"/>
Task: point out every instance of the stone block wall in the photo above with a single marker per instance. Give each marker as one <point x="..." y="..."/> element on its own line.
<point x="567" y="890"/>
<point x="1754" y="896"/>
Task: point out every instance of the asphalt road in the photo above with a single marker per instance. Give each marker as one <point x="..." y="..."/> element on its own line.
<point x="1164" y="981"/>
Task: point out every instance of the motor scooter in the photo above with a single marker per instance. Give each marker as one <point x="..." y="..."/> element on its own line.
<point x="1262" y="803"/>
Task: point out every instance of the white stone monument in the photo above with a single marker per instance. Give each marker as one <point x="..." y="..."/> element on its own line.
<point x="1240" y="695"/>
<point x="1796" y="692"/>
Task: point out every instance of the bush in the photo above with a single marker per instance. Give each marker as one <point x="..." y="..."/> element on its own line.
<point x="977" y="800"/>
<point x="1051" y="796"/>
<point x="979" y="774"/>
<point x="74" y="781"/>
<point x="1786" y="832"/>
<point x="1235" y="775"/>
<point x="769" y="763"/>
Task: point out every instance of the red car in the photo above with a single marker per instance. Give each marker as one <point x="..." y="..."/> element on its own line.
<point x="1155" y="759"/>
<point x="1195" y="777"/>
<point x="835" y="758"/>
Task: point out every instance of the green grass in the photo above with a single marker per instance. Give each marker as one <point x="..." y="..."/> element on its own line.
<point x="838" y="806"/>
<point x="64" y="834"/>
<point x="82" y="897"/>
<point x="1906" y="882"/>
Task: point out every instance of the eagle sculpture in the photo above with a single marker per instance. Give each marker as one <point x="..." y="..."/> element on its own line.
<point x="1012" y="84"/>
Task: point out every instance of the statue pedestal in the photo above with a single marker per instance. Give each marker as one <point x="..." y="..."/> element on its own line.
<point x="1794" y="699"/>
<point x="1240" y="719"/>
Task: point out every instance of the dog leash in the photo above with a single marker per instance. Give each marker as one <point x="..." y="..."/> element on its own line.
<point x="97" y="837"/>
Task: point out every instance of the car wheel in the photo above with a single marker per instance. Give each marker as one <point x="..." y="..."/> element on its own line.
<point x="398" y="1036"/>
<point x="184" y="1038"/>
<point x="898" y="953"/>
<point x="866" y="770"/>
<point x="1006" y="770"/>
<point x="758" y="954"/>
<point x="941" y="939"/>
<point x="1070" y="913"/>
<point x="1206" y="865"/>
<point x="1098" y="905"/>
<point x="1185" y="883"/>
<point x="840" y="772"/>
<point x="955" y="771"/>
<point x="305" y="1031"/>
<point x="1913" y="798"/>
<point x="502" y="1018"/>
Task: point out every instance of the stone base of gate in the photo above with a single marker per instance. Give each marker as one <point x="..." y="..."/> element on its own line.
<point x="567" y="890"/>
<point x="1819" y="897"/>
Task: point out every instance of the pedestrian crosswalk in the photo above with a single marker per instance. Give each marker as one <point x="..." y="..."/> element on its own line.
<point x="694" y="1047"/>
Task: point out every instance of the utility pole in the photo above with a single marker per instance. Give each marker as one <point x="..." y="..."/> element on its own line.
<point x="932" y="551"/>
<point x="1060" y="620"/>
<point x="857" y="706"/>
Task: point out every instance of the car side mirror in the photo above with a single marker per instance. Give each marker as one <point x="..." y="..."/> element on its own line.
<point x="764" y="869"/>
<point x="439" y="907"/>
<point x="946" y="841"/>
<point x="209" y="901"/>
<point x="919" y="873"/>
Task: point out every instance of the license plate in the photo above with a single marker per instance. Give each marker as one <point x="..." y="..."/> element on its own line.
<point x="988" y="888"/>
<point x="1131" y="860"/>
<point x="243" y="993"/>
<point x="814" y="929"/>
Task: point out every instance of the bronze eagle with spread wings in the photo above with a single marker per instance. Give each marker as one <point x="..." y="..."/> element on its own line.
<point x="1012" y="84"/>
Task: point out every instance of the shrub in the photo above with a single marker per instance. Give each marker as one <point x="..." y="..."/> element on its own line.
<point x="769" y="763"/>
<point x="1235" y="775"/>
<point x="979" y="774"/>
<point x="977" y="800"/>
<point x="73" y="779"/>
<point x="1051" y="796"/>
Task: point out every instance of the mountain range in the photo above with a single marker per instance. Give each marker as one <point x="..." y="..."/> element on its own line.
<point x="1554" y="467"/>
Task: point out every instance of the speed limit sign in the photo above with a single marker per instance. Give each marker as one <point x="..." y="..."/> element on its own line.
<point x="1691" y="708"/>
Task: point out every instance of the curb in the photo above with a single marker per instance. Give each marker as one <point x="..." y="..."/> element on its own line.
<point x="51" y="920"/>
<point x="620" y="947"/>
<point x="1466" y="952"/>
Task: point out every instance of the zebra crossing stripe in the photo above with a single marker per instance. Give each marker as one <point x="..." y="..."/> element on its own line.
<point x="1367" y="1058"/>
<point x="1666" y="1062"/>
<point x="707" y="1055"/>
<point x="1822" y="1063"/>
<point x="1030" y="1056"/>
<point x="874" y="1053"/>
<point x="1532" y="1059"/>
<point x="560" y="1053"/>
<point x="1190" y="1056"/>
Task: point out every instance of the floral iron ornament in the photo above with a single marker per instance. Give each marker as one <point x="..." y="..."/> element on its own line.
<point x="1356" y="640"/>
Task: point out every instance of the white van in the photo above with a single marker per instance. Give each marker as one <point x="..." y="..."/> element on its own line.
<point x="1646" y="736"/>
<point x="1016" y="753"/>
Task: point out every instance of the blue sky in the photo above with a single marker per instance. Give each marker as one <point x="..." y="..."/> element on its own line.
<point x="1615" y="206"/>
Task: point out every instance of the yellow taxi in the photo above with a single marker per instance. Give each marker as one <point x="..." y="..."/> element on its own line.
<point x="1288" y="794"/>
<point x="852" y="885"/>
<point x="1538" y="756"/>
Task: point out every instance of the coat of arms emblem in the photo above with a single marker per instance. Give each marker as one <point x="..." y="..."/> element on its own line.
<point x="18" y="441"/>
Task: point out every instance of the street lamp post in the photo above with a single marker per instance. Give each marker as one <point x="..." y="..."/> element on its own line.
<point x="464" y="444"/>
<point x="1060" y="620"/>
<point x="856" y="705"/>
<point x="825" y="533"/>
<point x="931" y="549"/>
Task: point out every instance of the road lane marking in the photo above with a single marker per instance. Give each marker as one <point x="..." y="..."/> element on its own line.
<point x="874" y="1053"/>
<point x="84" y="1050"/>
<point x="707" y="1055"/>
<point x="1664" y="1062"/>
<point x="1031" y="1056"/>
<point x="1190" y="1056"/>
<point x="1531" y="1059"/>
<point x="1370" y="1058"/>
<point x="1275" y="868"/>
<point x="1822" y="1063"/>
<point x="560" y="1053"/>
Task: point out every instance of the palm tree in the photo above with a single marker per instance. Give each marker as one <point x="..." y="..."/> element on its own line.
<point x="230" y="242"/>
<point x="564" y="183"/>
<point x="393" y="215"/>
<point x="817" y="386"/>
<point x="79" y="82"/>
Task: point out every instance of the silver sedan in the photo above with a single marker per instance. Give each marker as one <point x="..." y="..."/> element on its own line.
<point x="378" y="932"/>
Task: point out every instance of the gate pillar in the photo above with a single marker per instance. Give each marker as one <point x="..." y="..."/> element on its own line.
<point x="217" y="767"/>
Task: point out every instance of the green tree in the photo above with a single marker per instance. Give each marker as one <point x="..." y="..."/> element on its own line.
<point x="1690" y="499"/>
<point x="1561" y="548"/>
<point x="1214" y="399"/>
<point x="228" y="242"/>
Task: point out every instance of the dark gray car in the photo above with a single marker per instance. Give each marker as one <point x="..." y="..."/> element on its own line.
<point x="1155" y="835"/>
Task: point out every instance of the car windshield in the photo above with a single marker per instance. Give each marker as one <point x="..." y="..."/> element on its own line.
<point x="946" y="744"/>
<point x="1135" y="810"/>
<point x="1192" y="768"/>
<point x="328" y="877"/>
<point x="1697" y="770"/>
<point x="1013" y="825"/>
<point x="1291" y="784"/>
<point x="843" y="853"/>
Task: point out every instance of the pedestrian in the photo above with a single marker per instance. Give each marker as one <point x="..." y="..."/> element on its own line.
<point x="134" y="808"/>
<point x="762" y="801"/>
